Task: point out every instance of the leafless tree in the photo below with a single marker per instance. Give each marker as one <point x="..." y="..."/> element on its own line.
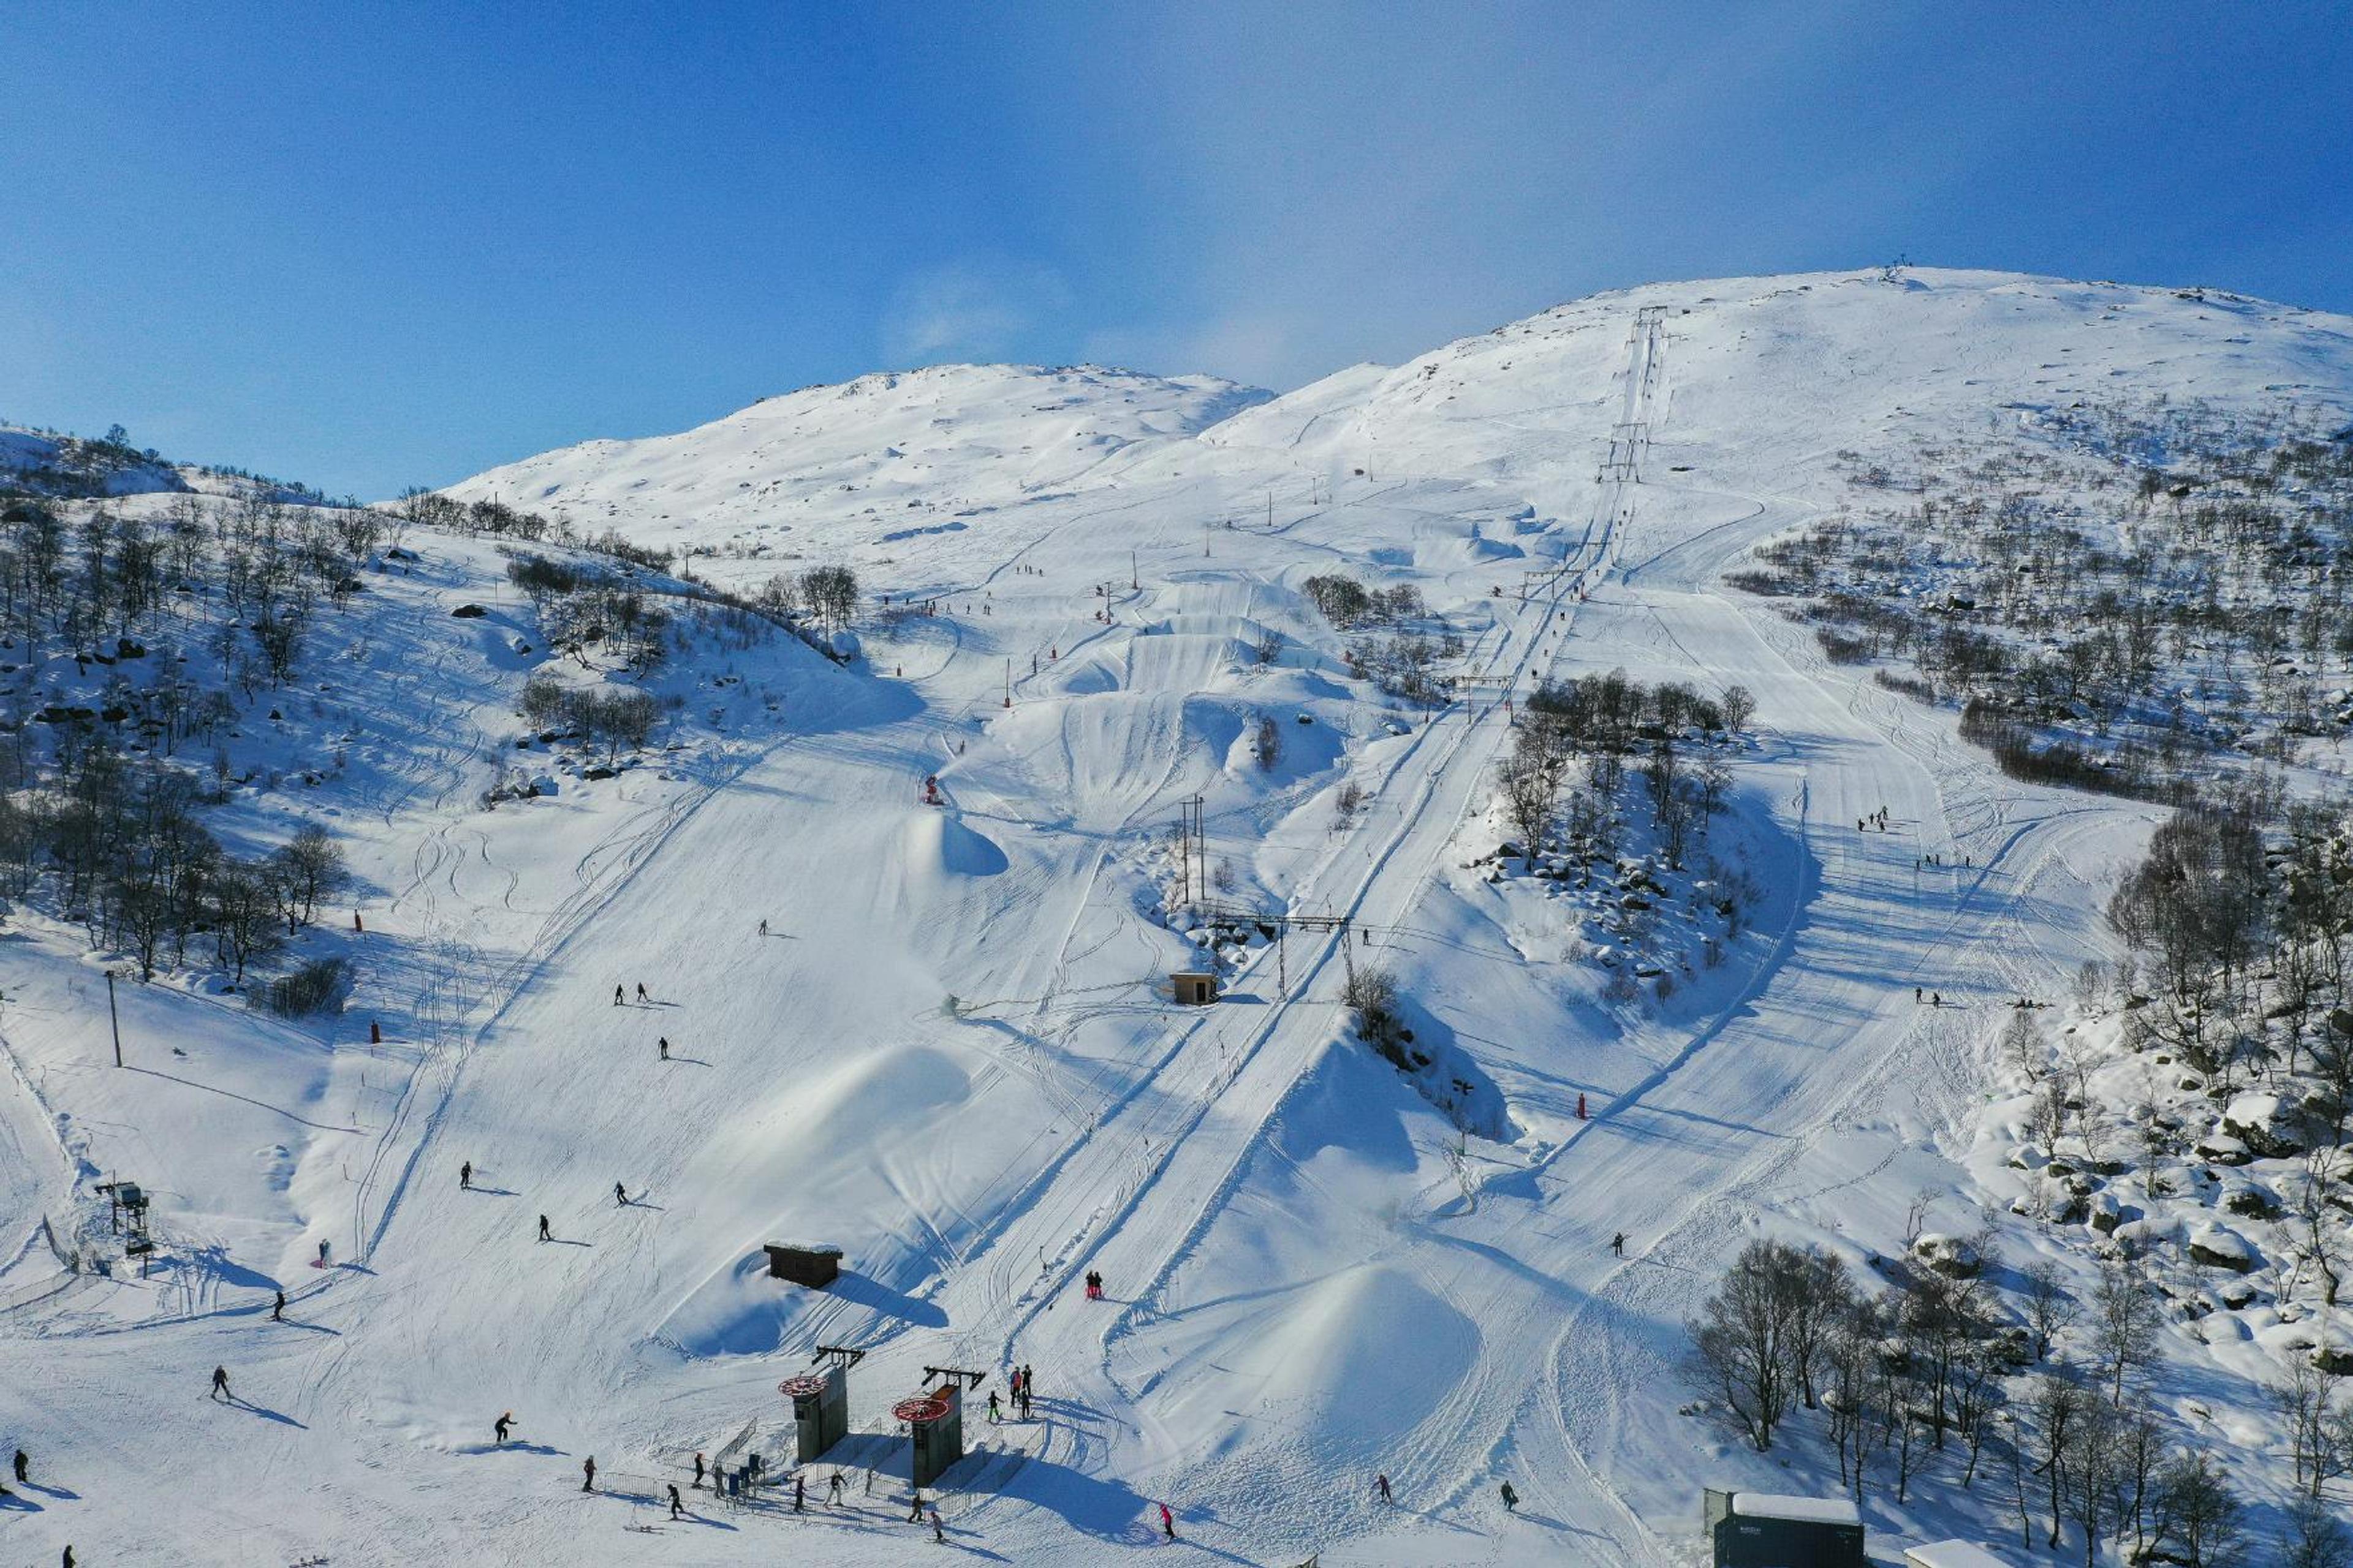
<point x="2051" y="1310"/>
<point x="1528" y="792"/>
<point x="2200" y="1520"/>
<point x="2124" y="1323"/>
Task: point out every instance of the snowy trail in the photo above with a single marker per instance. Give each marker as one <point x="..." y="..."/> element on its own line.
<point x="1320" y="1269"/>
<point x="1141" y="1194"/>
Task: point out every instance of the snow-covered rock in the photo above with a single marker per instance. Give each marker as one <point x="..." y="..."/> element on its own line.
<point x="2224" y="1148"/>
<point x="2259" y="1121"/>
<point x="1951" y="1256"/>
<point x="2217" y="1247"/>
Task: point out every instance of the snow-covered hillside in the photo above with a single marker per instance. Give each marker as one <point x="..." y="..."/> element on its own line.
<point x="895" y="457"/>
<point x="940" y="1035"/>
<point x="52" y="463"/>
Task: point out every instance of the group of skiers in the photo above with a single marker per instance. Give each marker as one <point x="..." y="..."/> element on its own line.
<point x="1094" y="1285"/>
<point x="1018" y="1386"/>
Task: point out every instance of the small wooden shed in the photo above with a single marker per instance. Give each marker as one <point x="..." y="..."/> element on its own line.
<point x="815" y="1266"/>
<point x="1194" y="988"/>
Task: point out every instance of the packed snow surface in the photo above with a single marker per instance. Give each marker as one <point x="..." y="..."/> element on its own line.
<point x="952" y="1052"/>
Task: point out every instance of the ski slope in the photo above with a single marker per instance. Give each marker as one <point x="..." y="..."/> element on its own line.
<point x="952" y="1055"/>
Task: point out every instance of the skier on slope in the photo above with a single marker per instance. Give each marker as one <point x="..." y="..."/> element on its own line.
<point x="698" y="1470"/>
<point x="500" y="1427"/>
<point x="1382" y="1483"/>
<point x="1510" y="1498"/>
<point x="641" y="991"/>
<point x="466" y="1176"/>
<point x="676" y="1507"/>
<point x="1618" y="1244"/>
<point x="278" y="1307"/>
<point x="24" y="1468"/>
<point x="664" y="1043"/>
<point x="619" y="995"/>
<point x="938" y="1534"/>
<point x="544" y="1235"/>
<point x="620" y="1194"/>
<point x="220" y="1383"/>
<point x="588" y="1474"/>
<point x="800" y="1493"/>
<point x="1167" y="1522"/>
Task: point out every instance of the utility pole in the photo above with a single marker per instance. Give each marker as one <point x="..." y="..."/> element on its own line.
<point x="113" y="1018"/>
<point x="1192" y="839"/>
<point x="1184" y="857"/>
<point x="1201" y="843"/>
<point x="1009" y="683"/>
<point x="1135" y="578"/>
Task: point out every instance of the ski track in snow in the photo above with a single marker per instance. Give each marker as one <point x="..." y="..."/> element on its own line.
<point x="1308" y="1280"/>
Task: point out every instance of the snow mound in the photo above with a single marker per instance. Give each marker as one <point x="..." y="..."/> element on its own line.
<point x="1337" y="1347"/>
<point x="937" y="845"/>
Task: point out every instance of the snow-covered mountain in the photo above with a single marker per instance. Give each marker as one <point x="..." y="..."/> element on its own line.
<point x="903" y="447"/>
<point x="940" y="1035"/>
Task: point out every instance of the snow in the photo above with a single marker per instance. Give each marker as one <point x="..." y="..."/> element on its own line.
<point x="1951" y="1555"/>
<point x="952" y="1055"/>
<point x="1811" y="1510"/>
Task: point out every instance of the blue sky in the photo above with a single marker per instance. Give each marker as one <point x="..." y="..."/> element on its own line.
<point x="369" y="247"/>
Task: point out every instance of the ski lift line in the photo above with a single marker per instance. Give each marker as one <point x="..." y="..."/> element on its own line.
<point x="1106" y="1218"/>
<point x="1321" y="957"/>
<point x="1079" y="1247"/>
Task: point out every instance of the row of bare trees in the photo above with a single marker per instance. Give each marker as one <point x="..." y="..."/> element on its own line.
<point x="2205" y="601"/>
<point x="120" y="846"/>
<point x="1934" y="1371"/>
<point x="1681" y="739"/>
